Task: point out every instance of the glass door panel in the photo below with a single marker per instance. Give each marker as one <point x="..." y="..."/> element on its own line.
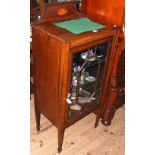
<point x="86" y="80"/>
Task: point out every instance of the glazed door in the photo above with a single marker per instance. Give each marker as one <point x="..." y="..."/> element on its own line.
<point x="86" y="80"/>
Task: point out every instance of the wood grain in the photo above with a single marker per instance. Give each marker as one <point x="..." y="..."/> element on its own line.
<point x="53" y="50"/>
<point x="112" y="11"/>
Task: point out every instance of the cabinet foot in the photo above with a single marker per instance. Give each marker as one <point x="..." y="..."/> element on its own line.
<point x="38" y="128"/>
<point x="37" y="115"/>
<point x="96" y="123"/>
<point x="59" y="150"/>
<point x="60" y="139"/>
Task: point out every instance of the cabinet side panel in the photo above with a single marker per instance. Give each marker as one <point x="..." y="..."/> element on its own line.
<point x="46" y="75"/>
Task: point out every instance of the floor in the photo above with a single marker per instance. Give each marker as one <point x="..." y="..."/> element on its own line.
<point x="81" y="138"/>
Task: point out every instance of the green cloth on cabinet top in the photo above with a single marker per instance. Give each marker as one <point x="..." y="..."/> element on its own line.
<point x="78" y="26"/>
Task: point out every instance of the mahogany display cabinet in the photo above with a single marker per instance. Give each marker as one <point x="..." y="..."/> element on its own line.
<point x="69" y="69"/>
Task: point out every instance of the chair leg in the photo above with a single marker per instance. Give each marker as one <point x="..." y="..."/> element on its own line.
<point x="110" y="108"/>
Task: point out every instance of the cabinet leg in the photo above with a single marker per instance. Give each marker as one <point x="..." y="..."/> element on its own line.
<point x="60" y="139"/>
<point x="97" y="120"/>
<point x="37" y="115"/>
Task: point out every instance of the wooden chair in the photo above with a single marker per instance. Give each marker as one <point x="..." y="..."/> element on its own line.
<point x="116" y="90"/>
<point x="111" y="11"/>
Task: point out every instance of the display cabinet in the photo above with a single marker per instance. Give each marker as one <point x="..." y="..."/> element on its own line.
<point x="69" y="69"/>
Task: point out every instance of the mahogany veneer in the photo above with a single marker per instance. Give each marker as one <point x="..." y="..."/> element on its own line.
<point x="53" y="51"/>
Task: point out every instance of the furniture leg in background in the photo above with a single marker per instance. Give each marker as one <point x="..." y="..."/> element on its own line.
<point x="114" y="90"/>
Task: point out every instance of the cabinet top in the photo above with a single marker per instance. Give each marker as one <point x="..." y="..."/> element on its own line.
<point x="68" y="11"/>
<point x="66" y="36"/>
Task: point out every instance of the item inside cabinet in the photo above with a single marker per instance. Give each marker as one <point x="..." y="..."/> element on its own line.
<point x="86" y="80"/>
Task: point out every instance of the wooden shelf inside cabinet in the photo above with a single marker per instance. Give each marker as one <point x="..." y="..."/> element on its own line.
<point x="57" y="58"/>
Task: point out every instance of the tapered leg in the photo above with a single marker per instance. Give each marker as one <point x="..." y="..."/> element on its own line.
<point x="97" y="120"/>
<point x="37" y="115"/>
<point x="60" y="139"/>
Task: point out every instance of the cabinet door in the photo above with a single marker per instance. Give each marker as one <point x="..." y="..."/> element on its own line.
<point x="86" y="80"/>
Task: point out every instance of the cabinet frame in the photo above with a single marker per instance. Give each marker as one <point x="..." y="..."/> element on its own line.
<point x="52" y="62"/>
